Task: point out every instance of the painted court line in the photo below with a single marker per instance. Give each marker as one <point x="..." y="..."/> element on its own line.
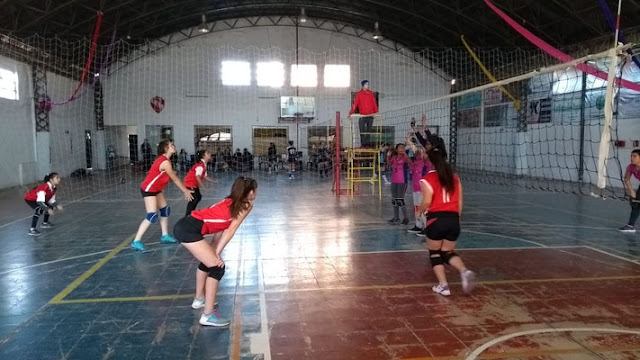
<point x="478" y="351"/>
<point x="346" y="288"/>
<point x="613" y="255"/>
<point x="505" y="237"/>
<point x="66" y="291"/>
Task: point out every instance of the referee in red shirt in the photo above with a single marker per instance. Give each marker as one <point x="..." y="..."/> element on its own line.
<point x="365" y="104"/>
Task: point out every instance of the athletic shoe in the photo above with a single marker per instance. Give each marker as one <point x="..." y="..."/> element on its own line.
<point x="198" y="303"/>
<point x="394" y="221"/>
<point x="441" y="289"/>
<point x="405" y="221"/>
<point x="168" y="239"/>
<point x="422" y="233"/>
<point x="47" y="225"/>
<point x="468" y="280"/>
<point x="213" y="320"/>
<point x="628" y="229"/>
<point x="138" y="245"/>
<point x="414" y="230"/>
<point x="34" y="232"/>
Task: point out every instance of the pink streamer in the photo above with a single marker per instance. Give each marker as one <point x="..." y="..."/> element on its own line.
<point x="557" y="53"/>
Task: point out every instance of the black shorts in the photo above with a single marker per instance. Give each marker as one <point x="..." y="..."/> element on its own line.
<point x="147" y="193"/>
<point x="292" y="159"/>
<point x="443" y="226"/>
<point x="188" y="230"/>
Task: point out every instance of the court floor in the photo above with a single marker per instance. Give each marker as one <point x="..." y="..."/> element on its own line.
<point x="310" y="276"/>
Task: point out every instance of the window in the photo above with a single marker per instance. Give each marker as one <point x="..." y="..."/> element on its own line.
<point x="236" y="73"/>
<point x="304" y="75"/>
<point x="270" y="74"/>
<point x="263" y="137"/>
<point x="8" y="84"/>
<point x="337" y="76"/>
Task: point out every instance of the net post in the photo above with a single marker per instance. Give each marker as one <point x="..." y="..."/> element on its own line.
<point x="336" y="171"/>
<point x="453" y="131"/>
<point x="583" y="94"/>
<point x="521" y="165"/>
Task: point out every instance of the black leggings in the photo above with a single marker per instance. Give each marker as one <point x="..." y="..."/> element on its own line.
<point x="36" y="214"/>
<point x="196" y="199"/>
<point x="635" y="209"/>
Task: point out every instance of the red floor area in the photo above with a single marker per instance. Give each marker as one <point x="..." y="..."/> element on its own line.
<point x="372" y="316"/>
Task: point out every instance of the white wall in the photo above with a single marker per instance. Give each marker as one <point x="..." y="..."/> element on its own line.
<point x="187" y="76"/>
<point x="68" y="122"/>
<point x="17" y="138"/>
<point x="28" y="155"/>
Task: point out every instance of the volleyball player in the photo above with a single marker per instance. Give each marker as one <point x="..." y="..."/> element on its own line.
<point x="292" y="153"/>
<point x="151" y="189"/>
<point x="195" y="177"/>
<point x="221" y="219"/>
<point x="398" y="162"/>
<point x="632" y="170"/>
<point x="442" y="198"/>
<point x="42" y="199"/>
<point x="420" y="167"/>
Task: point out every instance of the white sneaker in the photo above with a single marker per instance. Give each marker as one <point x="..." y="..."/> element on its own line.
<point x="213" y="320"/>
<point x="198" y="303"/>
<point x="441" y="289"/>
<point x="468" y="280"/>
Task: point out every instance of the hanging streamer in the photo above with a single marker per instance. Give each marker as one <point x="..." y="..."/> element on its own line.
<point x="609" y="16"/>
<point x="516" y="102"/>
<point x="87" y="67"/>
<point x="557" y="53"/>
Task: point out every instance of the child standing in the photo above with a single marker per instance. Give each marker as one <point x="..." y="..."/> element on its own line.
<point x="632" y="170"/>
<point x="399" y="162"/>
<point x="421" y="166"/>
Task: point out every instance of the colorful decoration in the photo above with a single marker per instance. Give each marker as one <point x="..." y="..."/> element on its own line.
<point x="157" y="104"/>
<point x="557" y="53"/>
<point x="516" y="102"/>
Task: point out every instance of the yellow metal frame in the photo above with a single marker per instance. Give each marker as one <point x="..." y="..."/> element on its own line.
<point x="357" y="156"/>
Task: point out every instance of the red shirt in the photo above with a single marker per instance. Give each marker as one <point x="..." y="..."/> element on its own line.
<point x="442" y="200"/>
<point x="45" y="193"/>
<point x="216" y="218"/>
<point x="199" y="169"/>
<point x="365" y="102"/>
<point x="156" y="179"/>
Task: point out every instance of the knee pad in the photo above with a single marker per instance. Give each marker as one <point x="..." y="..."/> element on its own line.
<point x="165" y="211"/>
<point x="39" y="211"/>
<point x="400" y="202"/>
<point x="448" y="255"/>
<point x="216" y="272"/>
<point x="394" y="202"/>
<point x="152" y="217"/>
<point x="203" y="267"/>
<point x="436" y="258"/>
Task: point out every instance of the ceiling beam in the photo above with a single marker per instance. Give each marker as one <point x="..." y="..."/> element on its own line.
<point x="48" y="15"/>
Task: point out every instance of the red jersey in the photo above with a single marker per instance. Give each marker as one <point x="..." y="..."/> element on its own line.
<point x="365" y="102"/>
<point x="199" y="169"/>
<point x="442" y="200"/>
<point x="156" y="179"/>
<point x="216" y="218"/>
<point x="45" y="193"/>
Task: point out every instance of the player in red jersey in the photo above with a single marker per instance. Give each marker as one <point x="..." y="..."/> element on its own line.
<point x="42" y="199"/>
<point x="442" y="198"/>
<point x="151" y="189"/>
<point x="222" y="220"/>
<point x="195" y="176"/>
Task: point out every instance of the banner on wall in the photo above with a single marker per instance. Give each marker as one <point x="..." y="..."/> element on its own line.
<point x="157" y="104"/>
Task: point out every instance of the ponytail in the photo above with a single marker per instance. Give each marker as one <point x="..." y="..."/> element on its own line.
<point x="49" y="176"/>
<point x="438" y="157"/>
<point x="239" y="193"/>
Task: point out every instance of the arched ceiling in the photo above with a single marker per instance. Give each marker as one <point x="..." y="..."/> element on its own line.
<point x="417" y="24"/>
